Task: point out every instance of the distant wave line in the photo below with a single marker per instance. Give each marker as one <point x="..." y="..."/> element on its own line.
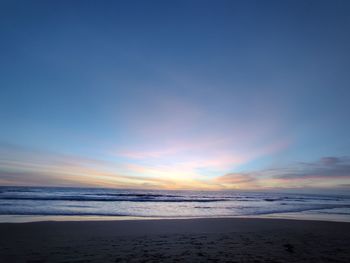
<point x="91" y="199"/>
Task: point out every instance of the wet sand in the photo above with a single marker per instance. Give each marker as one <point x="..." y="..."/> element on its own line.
<point x="180" y="240"/>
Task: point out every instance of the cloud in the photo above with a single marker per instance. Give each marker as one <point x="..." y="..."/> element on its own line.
<point x="236" y="178"/>
<point x="326" y="167"/>
<point x="327" y="172"/>
<point x="237" y="181"/>
<point x="26" y="166"/>
<point x="32" y="167"/>
<point x="330" y="160"/>
<point x="185" y="136"/>
<point x="344" y="185"/>
<point x="201" y="156"/>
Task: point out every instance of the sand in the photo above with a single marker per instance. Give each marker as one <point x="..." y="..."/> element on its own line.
<point x="185" y="240"/>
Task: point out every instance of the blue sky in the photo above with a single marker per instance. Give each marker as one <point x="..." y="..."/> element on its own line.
<point x="174" y="94"/>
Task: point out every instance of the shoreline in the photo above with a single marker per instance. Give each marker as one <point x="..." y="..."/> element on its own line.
<point x="176" y="240"/>
<point x="76" y="218"/>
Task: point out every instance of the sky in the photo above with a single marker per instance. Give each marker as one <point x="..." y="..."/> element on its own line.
<point x="195" y="94"/>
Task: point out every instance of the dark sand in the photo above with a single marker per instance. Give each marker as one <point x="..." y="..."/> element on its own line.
<point x="187" y="240"/>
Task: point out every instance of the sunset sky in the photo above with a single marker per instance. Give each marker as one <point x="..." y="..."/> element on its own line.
<point x="176" y="94"/>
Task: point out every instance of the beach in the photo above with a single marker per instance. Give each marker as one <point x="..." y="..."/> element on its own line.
<point x="176" y="240"/>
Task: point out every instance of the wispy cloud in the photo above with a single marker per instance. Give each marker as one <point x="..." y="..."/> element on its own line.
<point x="25" y="166"/>
<point x="237" y="181"/>
<point x="326" y="167"/>
<point x="326" y="172"/>
<point x="184" y="134"/>
<point x="201" y="156"/>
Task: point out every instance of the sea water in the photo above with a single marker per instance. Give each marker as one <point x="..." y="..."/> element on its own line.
<point x="46" y="202"/>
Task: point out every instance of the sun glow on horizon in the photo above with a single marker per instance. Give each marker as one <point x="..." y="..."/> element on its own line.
<point x="28" y="167"/>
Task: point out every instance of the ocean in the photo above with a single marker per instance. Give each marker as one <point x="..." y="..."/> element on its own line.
<point x="45" y="203"/>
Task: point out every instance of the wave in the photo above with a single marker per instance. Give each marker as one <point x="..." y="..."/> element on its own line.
<point x="109" y="213"/>
<point x="101" y="199"/>
<point x="175" y="204"/>
<point x="298" y="209"/>
<point x="137" y="195"/>
<point x="155" y="198"/>
<point x="54" y="213"/>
